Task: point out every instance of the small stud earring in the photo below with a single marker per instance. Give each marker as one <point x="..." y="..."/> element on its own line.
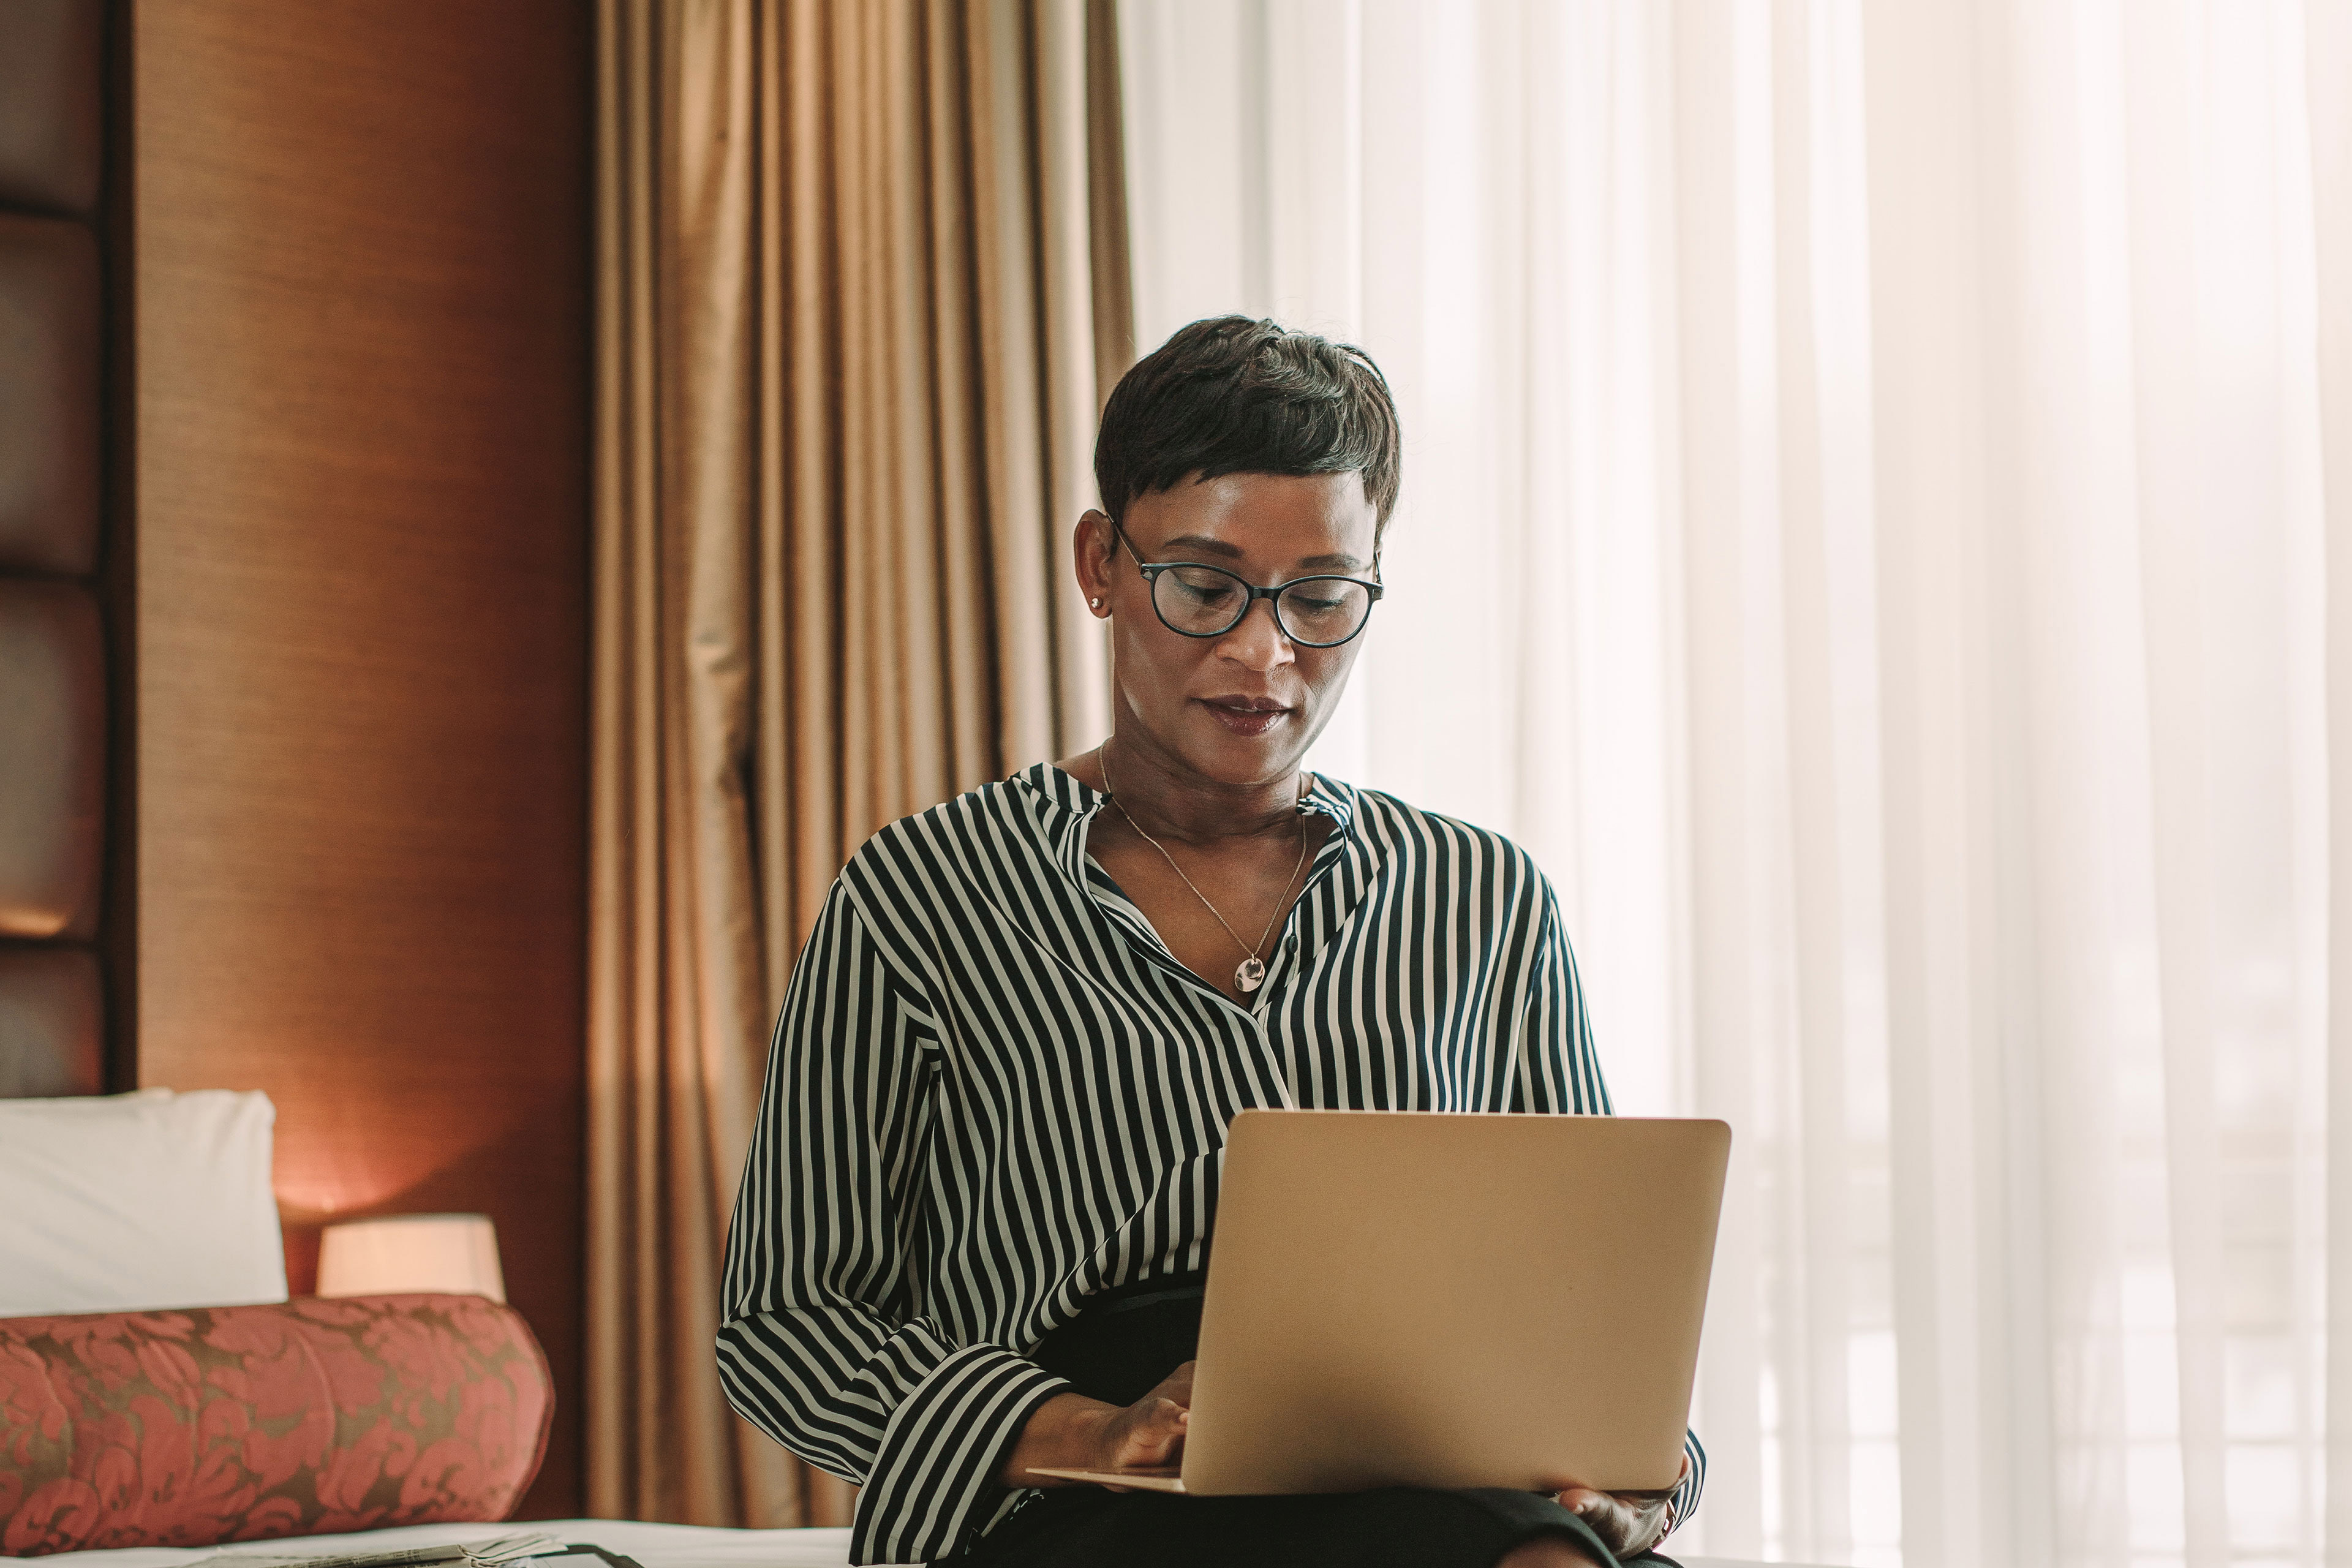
<point x="1095" y="603"/>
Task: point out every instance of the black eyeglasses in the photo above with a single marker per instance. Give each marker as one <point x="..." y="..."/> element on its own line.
<point x="1198" y="601"/>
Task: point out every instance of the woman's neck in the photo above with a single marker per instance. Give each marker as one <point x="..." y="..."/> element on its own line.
<point x="1167" y="800"/>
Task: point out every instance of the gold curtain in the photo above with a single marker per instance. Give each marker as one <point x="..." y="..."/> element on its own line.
<point x="861" y="276"/>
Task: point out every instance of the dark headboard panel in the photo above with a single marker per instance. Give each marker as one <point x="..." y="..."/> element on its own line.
<point x="53" y="648"/>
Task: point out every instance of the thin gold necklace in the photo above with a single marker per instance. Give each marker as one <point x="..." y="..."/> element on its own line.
<point x="1251" y="973"/>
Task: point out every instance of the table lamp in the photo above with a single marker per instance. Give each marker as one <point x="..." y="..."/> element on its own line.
<point x="456" y="1254"/>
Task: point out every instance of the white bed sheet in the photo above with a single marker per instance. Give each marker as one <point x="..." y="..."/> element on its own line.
<point x="653" y="1545"/>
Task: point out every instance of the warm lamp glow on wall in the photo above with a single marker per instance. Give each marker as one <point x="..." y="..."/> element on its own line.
<point x="455" y="1254"/>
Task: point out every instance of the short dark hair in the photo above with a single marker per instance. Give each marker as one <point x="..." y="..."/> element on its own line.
<point x="1231" y="396"/>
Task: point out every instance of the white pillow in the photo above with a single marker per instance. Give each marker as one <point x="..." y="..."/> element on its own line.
<point x="130" y="1202"/>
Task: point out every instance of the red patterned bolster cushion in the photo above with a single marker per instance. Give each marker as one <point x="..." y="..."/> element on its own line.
<point x="242" y="1423"/>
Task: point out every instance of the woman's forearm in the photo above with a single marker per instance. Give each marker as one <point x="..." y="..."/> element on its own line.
<point x="1066" y="1433"/>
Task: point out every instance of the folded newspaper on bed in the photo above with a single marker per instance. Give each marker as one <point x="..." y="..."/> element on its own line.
<point x="490" y="1552"/>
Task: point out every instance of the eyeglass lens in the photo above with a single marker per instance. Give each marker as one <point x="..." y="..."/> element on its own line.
<point x="1202" y="601"/>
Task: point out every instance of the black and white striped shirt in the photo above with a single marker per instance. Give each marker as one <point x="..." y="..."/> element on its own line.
<point x="993" y="1092"/>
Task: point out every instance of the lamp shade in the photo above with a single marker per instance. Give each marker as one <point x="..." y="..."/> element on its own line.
<point x="455" y="1254"/>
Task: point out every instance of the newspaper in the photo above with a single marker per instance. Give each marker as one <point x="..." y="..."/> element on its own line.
<point x="490" y="1552"/>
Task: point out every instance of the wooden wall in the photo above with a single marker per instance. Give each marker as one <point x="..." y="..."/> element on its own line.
<point x="360" y="284"/>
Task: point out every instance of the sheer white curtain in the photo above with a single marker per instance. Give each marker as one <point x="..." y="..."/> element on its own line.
<point x="1878" y="524"/>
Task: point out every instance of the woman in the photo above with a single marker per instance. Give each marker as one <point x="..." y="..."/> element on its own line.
<point x="977" y="1203"/>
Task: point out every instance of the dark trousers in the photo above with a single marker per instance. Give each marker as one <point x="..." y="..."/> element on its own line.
<point x="1119" y="1349"/>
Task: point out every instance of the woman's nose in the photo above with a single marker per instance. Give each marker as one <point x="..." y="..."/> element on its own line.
<point x="1258" y="641"/>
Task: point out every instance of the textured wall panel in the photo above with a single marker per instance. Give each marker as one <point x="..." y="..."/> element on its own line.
<point x="52" y="758"/>
<point x="362" y="372"/>
<point x="50" y="353"/>
<point x="51" y="79"/>
<point x="52" y="1023"/>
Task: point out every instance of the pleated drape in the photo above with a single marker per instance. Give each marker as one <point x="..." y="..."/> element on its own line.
<point x="863" y="283"/>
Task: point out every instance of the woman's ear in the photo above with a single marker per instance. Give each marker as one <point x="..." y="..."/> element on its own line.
<point x="1092" y="545"/>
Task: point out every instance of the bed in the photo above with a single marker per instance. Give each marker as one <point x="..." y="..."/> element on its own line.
<point x="653" y="1545"/>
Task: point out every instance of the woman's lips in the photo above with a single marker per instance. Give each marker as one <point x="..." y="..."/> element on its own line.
<point x="1244" y="720"/>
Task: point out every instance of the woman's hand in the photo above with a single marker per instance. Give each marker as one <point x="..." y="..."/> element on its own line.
<point x="1628" y="1525"/>
<point x="1071" y="1432"/>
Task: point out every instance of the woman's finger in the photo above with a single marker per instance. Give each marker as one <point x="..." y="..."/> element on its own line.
<point x="1154" y="1433"/>
<point x="1597" y="1509"/>
<point x="1164" y="1419"/>
<point x="1163" y="1431"/>
<point x="1621" y="1526"/>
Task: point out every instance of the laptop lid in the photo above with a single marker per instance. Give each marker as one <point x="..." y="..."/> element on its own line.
<point x="1401" y="1297"/>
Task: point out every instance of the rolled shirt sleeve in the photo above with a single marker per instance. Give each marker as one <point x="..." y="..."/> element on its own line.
<point x="821" y="1346"/>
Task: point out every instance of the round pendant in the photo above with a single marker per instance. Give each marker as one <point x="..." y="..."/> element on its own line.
<point x="1250" y="976"/>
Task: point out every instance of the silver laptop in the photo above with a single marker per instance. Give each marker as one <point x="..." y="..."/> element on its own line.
<point x="1411" y="1299"/>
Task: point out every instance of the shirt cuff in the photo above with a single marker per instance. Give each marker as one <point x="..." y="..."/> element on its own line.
<point x="934" y="1476"/>
<point x="1684" y="1501"/>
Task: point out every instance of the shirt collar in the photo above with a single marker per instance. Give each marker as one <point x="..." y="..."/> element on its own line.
<point x="1066" y="805"/>
<point x="1333" y="799"/>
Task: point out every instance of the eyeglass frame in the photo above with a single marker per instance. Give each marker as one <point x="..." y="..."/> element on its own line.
<point x="1151" y="571"/>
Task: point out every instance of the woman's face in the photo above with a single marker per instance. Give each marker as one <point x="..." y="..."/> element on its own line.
<point x="1243" y="706"/>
